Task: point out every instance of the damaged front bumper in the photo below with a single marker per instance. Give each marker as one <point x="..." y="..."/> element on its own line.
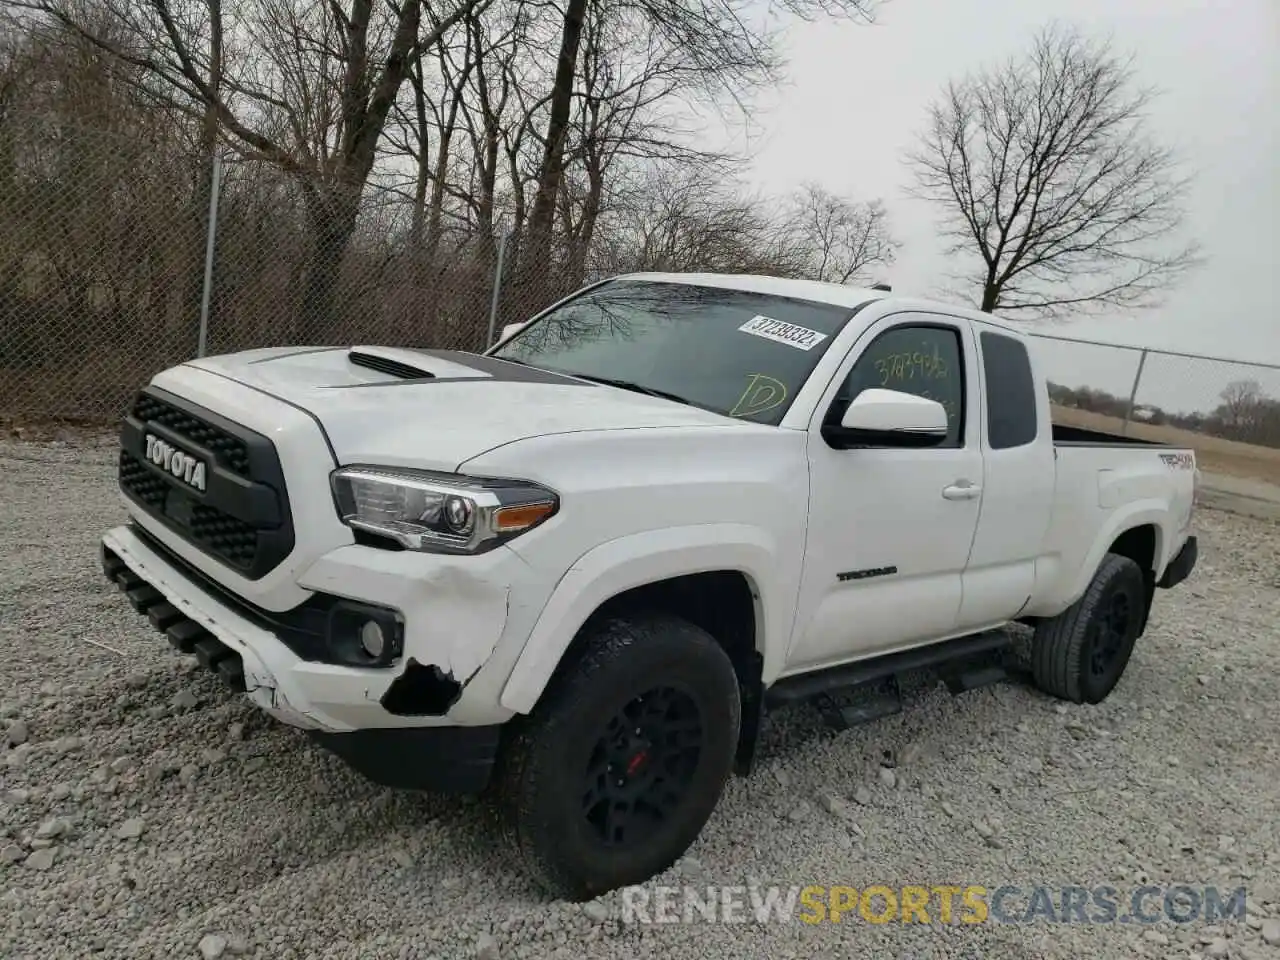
<point x="433" y="701"/>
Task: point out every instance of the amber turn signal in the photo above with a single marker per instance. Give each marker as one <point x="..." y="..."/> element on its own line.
<point x="521" y="517"/>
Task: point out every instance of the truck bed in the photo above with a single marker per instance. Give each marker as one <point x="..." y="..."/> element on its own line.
<point x="1065" y="436"/>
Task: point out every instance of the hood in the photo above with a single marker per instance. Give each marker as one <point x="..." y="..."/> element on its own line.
<point x="436" y="409"/>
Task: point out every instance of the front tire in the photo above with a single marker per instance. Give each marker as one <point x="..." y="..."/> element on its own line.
<point x="1080" y="654"/>
<point x="615" y="772"/>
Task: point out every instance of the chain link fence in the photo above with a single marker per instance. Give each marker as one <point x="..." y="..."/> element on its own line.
<point x="1228" y="411"/>
<point x="1232" y="399"/>
<point x="124" y="251"/>
<point x="119" y="257"/>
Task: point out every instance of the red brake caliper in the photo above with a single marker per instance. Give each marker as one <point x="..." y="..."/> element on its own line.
<point x="636" y="762"/>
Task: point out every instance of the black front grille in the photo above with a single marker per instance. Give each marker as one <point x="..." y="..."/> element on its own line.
<point x="140" y="482"/>
<point x="231" y="450"/>
<point x="233" y="540"/>
<point x="241" y="516"/>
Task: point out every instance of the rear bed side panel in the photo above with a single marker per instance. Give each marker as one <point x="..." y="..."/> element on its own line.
<point x="306" y="462"/>
<point x="1100" y="493"/>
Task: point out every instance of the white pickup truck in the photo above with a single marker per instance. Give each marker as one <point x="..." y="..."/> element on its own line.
<point x="579" y="567"/>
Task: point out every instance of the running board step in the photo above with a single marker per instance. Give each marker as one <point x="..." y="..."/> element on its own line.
<point x="112" y="565"/>
<point x="808" y="686"/>
<point x="842" y="709"/>
<point x="972" y="678"/>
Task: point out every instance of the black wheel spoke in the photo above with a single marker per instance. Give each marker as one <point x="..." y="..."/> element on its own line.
<point x="1109" y="634"/>
<point x="665" y="797"/>
<point x="597" y="790"/>
<point x="682" y="734"/>
<point x="617" y="820"/>
<point x="641" y="766"/>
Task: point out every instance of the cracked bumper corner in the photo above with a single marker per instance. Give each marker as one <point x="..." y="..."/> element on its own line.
<point x="453" y="624"/>
<point x="245" y="657"/>
<point x="455" y="613"/>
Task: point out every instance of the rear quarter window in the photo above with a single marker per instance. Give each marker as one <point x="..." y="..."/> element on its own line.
<point x="1011" y="392"/>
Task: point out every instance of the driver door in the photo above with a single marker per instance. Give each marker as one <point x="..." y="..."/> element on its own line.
<point x="890" y="529"/>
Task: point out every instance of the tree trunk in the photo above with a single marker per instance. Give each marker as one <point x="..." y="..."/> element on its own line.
<point x="587" y="226"/>
<point x="488" y="177"/>
<point x="332" y="219"/>
<point x="537" y="249"/>
<point x="420" y="288"/>
<point x="435" y="211"/>
<point x="423" y="179"/>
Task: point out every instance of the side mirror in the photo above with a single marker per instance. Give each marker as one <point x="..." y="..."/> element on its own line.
<point x="889" y="418"/>
<point x="511" y="329"/>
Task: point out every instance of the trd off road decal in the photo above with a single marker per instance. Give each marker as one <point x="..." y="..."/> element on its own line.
<point x="867" y="574"/>
<point x="802" y="338"/>
<point x="1178" y="461"/>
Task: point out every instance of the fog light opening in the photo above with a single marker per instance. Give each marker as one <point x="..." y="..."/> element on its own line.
<point x="364" y="635"/>
<point x="372" y="639"/>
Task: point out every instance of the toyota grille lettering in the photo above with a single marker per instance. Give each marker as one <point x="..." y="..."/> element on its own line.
<point x="177" y="463"/>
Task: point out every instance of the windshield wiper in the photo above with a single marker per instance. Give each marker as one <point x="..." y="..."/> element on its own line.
<point x="635" y="388"/>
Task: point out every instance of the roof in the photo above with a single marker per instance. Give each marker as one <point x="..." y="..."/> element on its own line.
<point x="833" y="293"/>
<point x="818" y="291"/>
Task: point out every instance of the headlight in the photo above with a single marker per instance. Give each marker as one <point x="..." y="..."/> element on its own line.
<point x="439" y="512"/>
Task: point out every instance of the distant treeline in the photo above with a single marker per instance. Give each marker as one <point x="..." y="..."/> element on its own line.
<point x="1245" y="414"/>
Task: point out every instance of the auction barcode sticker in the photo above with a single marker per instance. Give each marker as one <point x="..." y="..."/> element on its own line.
<point x="802" y="338"/>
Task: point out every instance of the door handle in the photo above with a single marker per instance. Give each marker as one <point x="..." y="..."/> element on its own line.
<point x="961" y="490"/>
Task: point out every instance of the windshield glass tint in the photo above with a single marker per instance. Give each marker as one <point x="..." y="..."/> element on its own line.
<point x="735" y="352"/>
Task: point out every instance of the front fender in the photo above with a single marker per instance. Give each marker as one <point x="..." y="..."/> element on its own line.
<point x="632" y="561"/>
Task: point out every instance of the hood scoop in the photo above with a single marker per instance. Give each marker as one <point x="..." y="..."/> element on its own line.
<point x="390" y="362"/>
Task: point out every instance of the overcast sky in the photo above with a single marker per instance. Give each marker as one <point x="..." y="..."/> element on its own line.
<point x="856" y="97"/>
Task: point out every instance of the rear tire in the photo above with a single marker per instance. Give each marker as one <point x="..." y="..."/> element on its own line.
<point x="613" y="775"/>
<point x="1080" y="654"/>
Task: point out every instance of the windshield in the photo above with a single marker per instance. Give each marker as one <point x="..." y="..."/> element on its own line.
<point x="734" y="352"/>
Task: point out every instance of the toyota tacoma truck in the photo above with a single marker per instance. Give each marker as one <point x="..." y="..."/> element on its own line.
<point x="575" y="571"/>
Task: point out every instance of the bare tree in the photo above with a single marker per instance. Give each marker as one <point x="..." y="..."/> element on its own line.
<point x="15" y="69"/>
<point x="723" y="44"/>
<point x="628" y="73"/>
<point x="688" y="217"/>
<point x="314" y="101"/>
<point x="1047" y="175"/>
<point x="1240" y="400"/>
<point x="842" y="238"/>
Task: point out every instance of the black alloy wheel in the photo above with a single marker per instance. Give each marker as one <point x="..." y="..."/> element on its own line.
<point x="641" y="767"/>
<point x="613" y="775"/>
<point x="1080" y="654"/>
<point x="1110" y="633"/>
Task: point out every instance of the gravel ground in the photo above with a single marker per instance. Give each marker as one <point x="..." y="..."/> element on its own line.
<point x="145" y="812"/>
